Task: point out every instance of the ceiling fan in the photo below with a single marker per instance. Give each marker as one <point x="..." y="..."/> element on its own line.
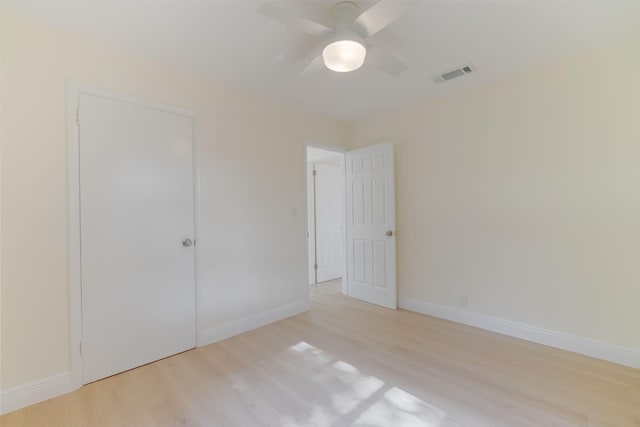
<point x="344" y="46"/>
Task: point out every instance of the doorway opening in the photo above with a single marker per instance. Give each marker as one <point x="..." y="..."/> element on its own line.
<point x="351" y="221"/>
<point x="326" y="215"/>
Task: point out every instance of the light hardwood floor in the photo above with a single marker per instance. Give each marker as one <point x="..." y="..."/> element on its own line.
<point x="346" y="363"/>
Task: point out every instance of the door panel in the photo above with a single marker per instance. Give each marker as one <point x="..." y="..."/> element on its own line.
<point x="378" y="201"/>
<point x="379" y="264"/>
<point x="358" y="202"/>
<point x="137" y="207"/>
<point x="371" y="241"/>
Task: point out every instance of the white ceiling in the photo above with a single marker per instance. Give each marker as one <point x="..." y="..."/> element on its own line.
<point x="231" y="42"/>
<point x="315" y="154"/>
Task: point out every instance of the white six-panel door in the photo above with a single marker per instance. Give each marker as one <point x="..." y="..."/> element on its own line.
<point x="371" y="241"/>
<point x="137" y="228"/>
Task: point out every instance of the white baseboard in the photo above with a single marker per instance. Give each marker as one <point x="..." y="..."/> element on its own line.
<point x="218" y="333"/>
<point x="34" y="392"/>
<point x="609" y="352"/>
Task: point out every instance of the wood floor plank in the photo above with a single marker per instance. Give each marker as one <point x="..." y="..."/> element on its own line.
<point x="349" y="363"/>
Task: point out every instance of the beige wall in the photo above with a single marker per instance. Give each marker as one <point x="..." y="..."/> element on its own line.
<point x="524" y="196"/>
<point x="252" y="246"/>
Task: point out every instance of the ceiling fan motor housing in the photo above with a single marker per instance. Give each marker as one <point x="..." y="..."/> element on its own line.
<point x="344" y="14"/>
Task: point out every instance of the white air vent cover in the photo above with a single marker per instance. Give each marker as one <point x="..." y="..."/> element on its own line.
<point x="455" y="73"/>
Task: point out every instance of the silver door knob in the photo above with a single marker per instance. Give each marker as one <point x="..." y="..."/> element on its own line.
<point x="389" y="233"/>
<point x="187" y="242"/>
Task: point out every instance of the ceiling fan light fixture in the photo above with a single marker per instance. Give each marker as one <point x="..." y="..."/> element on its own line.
<point x="344" y="55"/>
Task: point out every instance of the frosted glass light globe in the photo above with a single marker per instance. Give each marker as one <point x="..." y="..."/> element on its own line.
<point x="344" y="55"/>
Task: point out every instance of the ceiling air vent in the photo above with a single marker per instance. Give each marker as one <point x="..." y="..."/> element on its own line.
<point x="454" y="74"/>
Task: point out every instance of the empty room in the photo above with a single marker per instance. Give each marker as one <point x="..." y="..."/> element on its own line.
<point x="316" y="213"/>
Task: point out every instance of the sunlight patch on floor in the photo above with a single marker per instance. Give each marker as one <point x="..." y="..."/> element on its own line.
<point x="399" y="408"/>
<point x="360" y="399"/>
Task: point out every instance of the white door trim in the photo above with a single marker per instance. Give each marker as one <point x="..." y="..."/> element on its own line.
<point x="341" y="151"/>
<point x="73" y="215"/>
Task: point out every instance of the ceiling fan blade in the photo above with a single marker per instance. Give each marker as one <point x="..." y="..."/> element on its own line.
<point x="384" y="61"/>
<point x="297" y="22"/>
<point x="313" y="67"/>
<point x="379" y="16"/>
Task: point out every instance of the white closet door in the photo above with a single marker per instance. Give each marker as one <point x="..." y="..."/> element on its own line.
<point x="329" y="220"/>
<point x="137" y="222"/>
<point x="371" y="221"/>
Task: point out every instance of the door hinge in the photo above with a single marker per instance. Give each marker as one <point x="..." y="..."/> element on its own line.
<point x="78" y="116"/>
<point x="314" y="172"/>
<point x="315" y="266"/>
<point x="80" y="348"/>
